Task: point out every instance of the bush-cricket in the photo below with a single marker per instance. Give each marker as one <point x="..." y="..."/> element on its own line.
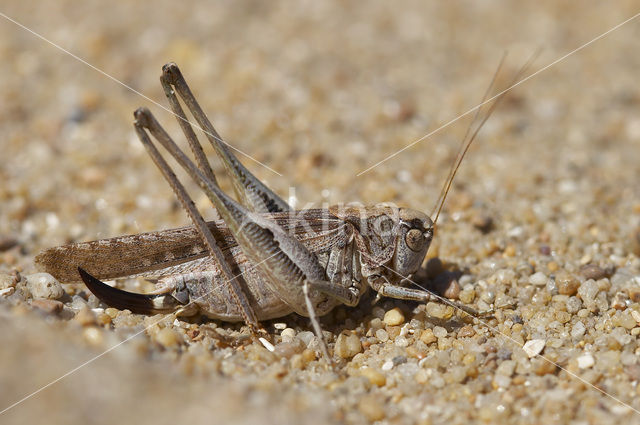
<point x="263" y="260"/>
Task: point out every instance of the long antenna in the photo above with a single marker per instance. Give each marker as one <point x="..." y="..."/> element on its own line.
<point x="467" y="144"/>
<point x="466" y="134"/>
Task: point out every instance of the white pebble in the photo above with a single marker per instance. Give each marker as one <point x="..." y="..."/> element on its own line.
<point x="578" y="330"/>
<point x="388" y="365"/>
<point x="439" y="331"/>
<point x="347" y="345"/>
<point x="404" y="331"/>
<point x="393" y="317"/>
<point x="280" y="326"/>
<point x="538" y="279"/>
<point x="269" y="346"/>
<point x="288" y="334"/>
<point x="43" y="285"/>
<point x="588" y="290"/>
<point x="534" y="347"/>
<point x="306" y="337"/>
<point x="401" y="342"/>
<point x="7" y="291"/>
<point x="382" y="335"/>
<point x="586" y="360"/>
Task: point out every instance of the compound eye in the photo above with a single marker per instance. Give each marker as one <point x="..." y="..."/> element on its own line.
<point x="415" y="240"/>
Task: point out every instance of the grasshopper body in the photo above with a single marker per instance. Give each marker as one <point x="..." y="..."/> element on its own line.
<point x="188" y="276"/>
<point x="263" y="260"/>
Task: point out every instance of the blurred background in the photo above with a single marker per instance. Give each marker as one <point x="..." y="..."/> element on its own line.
<point x="319" y="92"/>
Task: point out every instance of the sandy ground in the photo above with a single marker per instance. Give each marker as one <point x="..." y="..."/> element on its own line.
<point x="545" y="211"/>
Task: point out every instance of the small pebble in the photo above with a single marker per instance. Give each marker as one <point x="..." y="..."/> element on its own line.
<point x="444" y="343"/>
<point x="347" y="345"/>
<point x="585" y="361"/>
<point x="534" y="347"/>
<point x="439" y="331"/>
<point x="504" y="353"/>
<point x="269" y="346"/>
<point x="406" y="329"/>
<point x="636" y="316"/>
<point x="423" y="375"/>
<point x="398" y="360"/>
<point x="417" y="351"/>
<point x="387" y="366"/>
<point x="93" y="336"/>
<point x="624" y="319"/>
<point x="488" y="296"/>
<point x="562" y="316"/>
<point x="374" y="376"/>
<point x="452" y="291"/>
<point x="382" y="335"/>
<point x="376" y="323"/>
<point x="510" y="251"/>
<point x="620" y="301"/>
<point x="48" y="306"/>
<point x="592" y="271"/>
<point x="573" y="305"/>
<point x="506" y="368"/>
<point x="7" y="291"/>
<point x="467" y="295"/>
<point x="167" y="338"/>
<point x="125" y="318"/>
<point x="78" y="303"/>
<point x="588" y="290"/>
<point x="103" y="319"/>
<point x="468" y="359"/>
<point x="372" y="408"/>
<point x="43" y="285"/>
<point x="401" y="341"/>
<point x="112" y="312"/>
<point x="542" y="367"/>
<point x="567" y="283"/>
<point x="86" y="317"/>
<point x="538" y="279"/>
<point x="427" y="336"/>
<point x="305" y="337"/>
<point x="288" y="334"/>
<point x="308" y="355"/>
<point x="466" y="331"/>
<point x="439" y="311"/>
<point x="501" y="381"/>
<point x="288" y="349"/>
<point x="634" y="294"/>
<point x="393" y="317"/>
